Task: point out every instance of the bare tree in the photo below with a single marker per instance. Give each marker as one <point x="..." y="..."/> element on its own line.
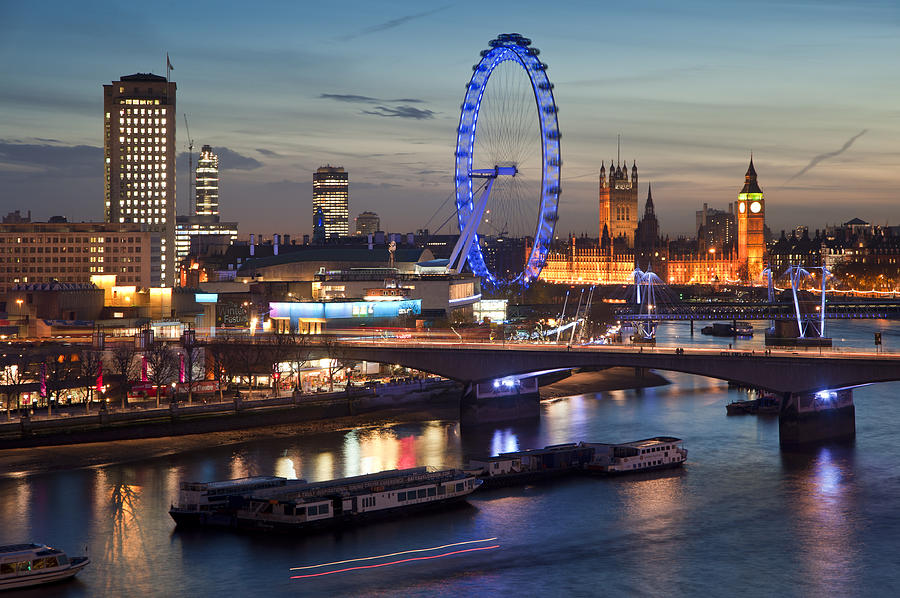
<point x="291" y="349"/>
<point x="337" y="360"/>
<point x="163" y="366"/>
<point x="222" y="363"/>
<point x="91" y="362"/>
<point x="58" y="373"/>
<point x="17" y="373"/>
<point x="191" y="354"/>
<point x="124" y="367"/>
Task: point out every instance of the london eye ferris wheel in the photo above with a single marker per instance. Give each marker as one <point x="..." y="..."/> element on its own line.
<point x="507" y="173"/>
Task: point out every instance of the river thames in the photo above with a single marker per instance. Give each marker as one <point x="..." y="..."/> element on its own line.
<point x="742" y="517"/>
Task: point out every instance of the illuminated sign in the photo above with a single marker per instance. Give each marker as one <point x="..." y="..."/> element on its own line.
<point x="206" y="297"/>
<point x="344" y="309"/>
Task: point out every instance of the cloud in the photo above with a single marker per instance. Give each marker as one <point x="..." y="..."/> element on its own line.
<point x="402" y="112"/>
<point x="358" y="99"/>
<point x="268" y="153"/>
<point x="396" y="22"/>
<point x="228" y="160"/>
<point x="61" y="160"/>
<point x="827" y="155"/>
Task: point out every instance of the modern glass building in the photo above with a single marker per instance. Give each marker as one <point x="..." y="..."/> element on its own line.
<point x="207" y="202"/>
<point x="139" y="159"/>
<point x="331" y="193"/>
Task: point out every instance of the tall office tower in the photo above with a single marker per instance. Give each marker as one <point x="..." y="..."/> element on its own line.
<point x="751" y="224"/>
<point x="207" y="202"/>
<point x="139" y="151"/>
<point x="619" y="202"/>
<point x="331" y="194"/>
<point x="367" y="223"/>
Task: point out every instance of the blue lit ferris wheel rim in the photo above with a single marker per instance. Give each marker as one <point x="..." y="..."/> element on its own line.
<point x="512" y="48"/>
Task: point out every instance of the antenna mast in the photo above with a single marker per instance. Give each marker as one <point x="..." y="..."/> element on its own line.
<point x="191" y="207"/>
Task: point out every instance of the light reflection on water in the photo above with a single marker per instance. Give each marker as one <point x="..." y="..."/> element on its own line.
<point x="742" y="517"/>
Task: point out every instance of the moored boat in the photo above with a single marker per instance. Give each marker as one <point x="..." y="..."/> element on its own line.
<point x="532" y="465"/>
<point x="660" y="452"/>
<point x="26" y="565"/>
<point x="279" y="504"/>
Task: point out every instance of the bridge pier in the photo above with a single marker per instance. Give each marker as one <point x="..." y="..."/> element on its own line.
<point x="828" y="415"/>
<point x="499" y="400"/>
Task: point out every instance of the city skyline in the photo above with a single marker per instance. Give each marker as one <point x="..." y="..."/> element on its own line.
<point x="809" y="94"/>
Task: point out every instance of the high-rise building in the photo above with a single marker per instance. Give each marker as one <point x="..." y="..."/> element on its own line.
<point x="139" y="152"/>
<point x="207" y="202"/>
<point x="367" y="223"/>
<point x="331" y="194"/>
<point x="618" y="203"/>
<point x="751" y="223"/>
<point x="716" y="228"/>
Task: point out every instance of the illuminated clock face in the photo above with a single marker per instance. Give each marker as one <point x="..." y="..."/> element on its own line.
<point x="755" y="207"/>
<point x="742" y="207"/>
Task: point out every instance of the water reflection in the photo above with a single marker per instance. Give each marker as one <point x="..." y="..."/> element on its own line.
<point x="827" y="518"/>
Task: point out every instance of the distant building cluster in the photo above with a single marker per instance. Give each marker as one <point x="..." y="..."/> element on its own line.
<point x="729" y="246"/>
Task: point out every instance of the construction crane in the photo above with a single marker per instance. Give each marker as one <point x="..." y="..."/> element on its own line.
<point x="191" y="207"/>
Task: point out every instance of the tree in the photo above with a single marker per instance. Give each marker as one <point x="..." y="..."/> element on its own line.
<point x="16" y="374"/>
<point x="163" y="365"/>
<point x="337" y="360"/>
<point x="58" y="373"/>
<point x="191" y="354"/>
<point x="220" y="362"/>
<point x="291" y="348"/>
<point x="91" y="362"/>
<point x="124" y="367"/>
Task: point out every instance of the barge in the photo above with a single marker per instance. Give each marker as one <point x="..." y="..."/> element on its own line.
<point x="278" y="504"/>
<point x="535" y="465"/>
<point x="532" y="465"/>
<point x="659" y="452"/>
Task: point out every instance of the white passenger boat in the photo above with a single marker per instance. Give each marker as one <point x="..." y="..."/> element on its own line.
<point x="660" y="452"/>
<point x="25" y="565"/>
<point x="279" y="504"/>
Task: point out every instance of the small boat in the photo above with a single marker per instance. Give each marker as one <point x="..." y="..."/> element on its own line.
<point x="278" y="504"/>
<point x="26" y="565"/>
<point x="767" y="404"/>
<point x="736" y="329"/>
<point x="659" y="452"/>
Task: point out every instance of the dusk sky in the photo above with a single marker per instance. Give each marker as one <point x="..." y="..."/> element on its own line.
<point x="284" y="87"/>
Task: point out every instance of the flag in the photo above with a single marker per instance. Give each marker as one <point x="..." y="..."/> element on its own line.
<point x="169" y="63"/>
<point x="143" y="368"/>
<point x="43" y="379"/>
<point x="100" y="378"/>
<point x="181" y="370"/>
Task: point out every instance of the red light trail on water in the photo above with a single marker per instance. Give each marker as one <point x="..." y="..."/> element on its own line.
<point x="418" y="558"/>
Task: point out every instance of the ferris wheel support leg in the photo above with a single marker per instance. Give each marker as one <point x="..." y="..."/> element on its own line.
<point x="461" y="249"/>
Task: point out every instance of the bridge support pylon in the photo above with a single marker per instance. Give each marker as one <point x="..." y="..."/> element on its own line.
<point x="810" y="418"/>
<point x="500" y="400"/>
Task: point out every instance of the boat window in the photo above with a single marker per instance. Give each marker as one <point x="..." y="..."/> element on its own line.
<point x="44" y="563"/>
<point x="323" y="509"/>
<point x="401" y="496"/>
<point x="423" y="492"/>
<point x="300" y="510"/>
<point x="63" y="559"/>
<point x="432" y="491"/>
<point x="7" y="568"/>
<point x="459" y="487"/>
<point x="23" y="566"/>
<point x="441" y="490"/>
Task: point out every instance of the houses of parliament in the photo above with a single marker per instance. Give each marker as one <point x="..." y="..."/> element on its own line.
<point x="730" y="246"/>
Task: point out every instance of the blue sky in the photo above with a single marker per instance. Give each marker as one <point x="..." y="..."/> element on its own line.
<point x="692" y="87"/>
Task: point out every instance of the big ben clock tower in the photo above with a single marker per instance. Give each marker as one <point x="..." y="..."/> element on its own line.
<point x="751" y="223"/>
